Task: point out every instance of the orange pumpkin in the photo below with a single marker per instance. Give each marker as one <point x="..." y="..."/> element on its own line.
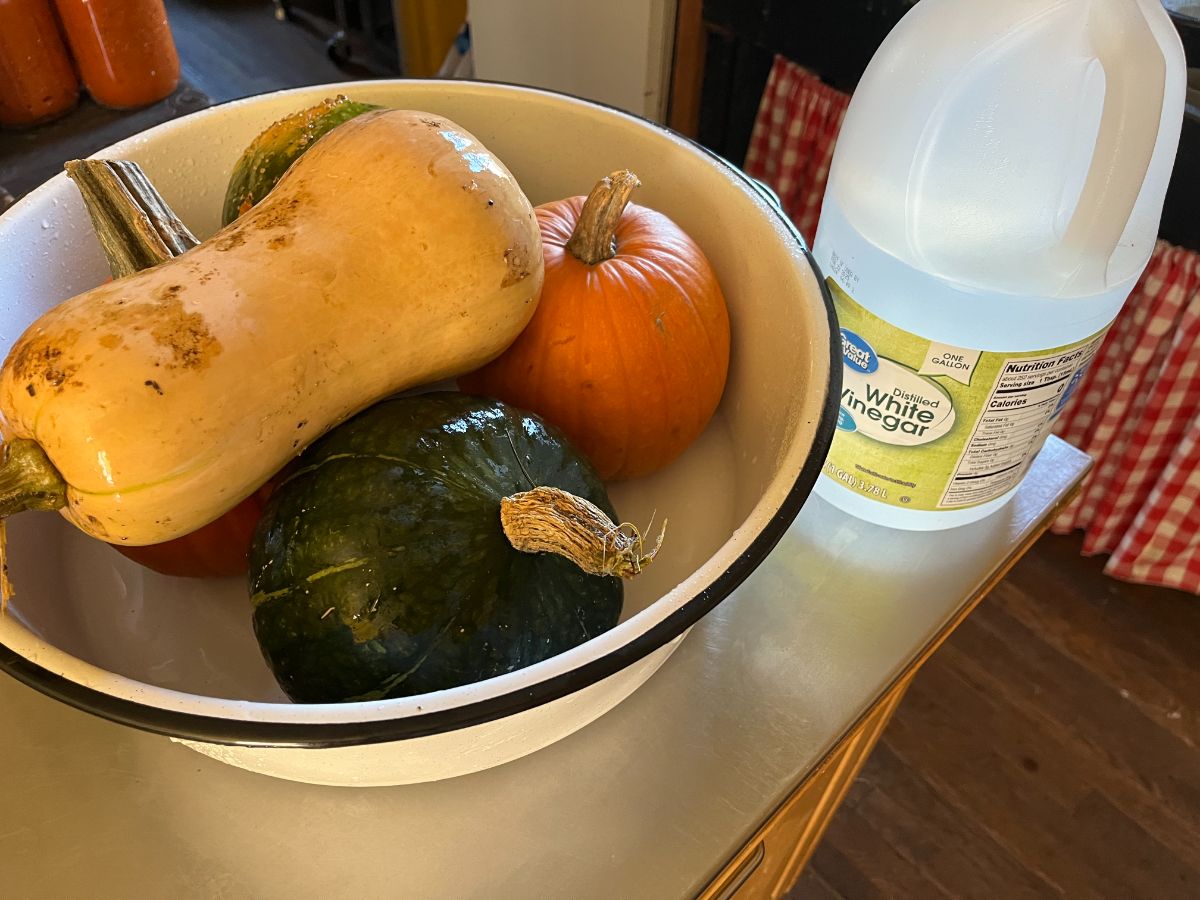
<point x="629" y="348"/>
<point x="219" y="549"/>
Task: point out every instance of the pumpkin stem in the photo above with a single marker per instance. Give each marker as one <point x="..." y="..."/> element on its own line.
<point x="595" y="236"/>
<point x="135" y="226"/>
<point x="28" y="480"/>
<point x="549" y="520"/>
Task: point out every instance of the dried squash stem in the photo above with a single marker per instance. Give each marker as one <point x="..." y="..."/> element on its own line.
<point x="135" y="226"/>
<point x="28" y="480"/>
<point x="549" y="520"/>
<point x="595" y="236"/>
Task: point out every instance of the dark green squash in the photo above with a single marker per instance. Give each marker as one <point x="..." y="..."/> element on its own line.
<point x="269" y="155"/>
<point x="380" y="568"/>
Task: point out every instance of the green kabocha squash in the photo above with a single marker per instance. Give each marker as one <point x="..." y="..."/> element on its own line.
<point x="387" y="565"/>
<point x="269" y="155"/>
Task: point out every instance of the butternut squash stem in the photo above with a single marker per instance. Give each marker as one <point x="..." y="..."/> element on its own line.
<point x="549" y="520"/>
<point x="595" y="236"/>
<point x="135" y="226"/>
<point x="28" y="480"/>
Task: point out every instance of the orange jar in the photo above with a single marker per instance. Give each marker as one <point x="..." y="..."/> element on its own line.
<point x="37" y="82"/>
<point x="123" y="48"/>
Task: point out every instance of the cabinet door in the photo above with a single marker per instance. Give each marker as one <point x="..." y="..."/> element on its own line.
<point x="427" y="29"/>
<point x="773" y="859"/>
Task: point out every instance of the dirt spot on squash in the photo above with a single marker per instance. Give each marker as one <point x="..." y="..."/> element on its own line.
<point x="234" y="239"/>
<point x="517" y="266"/>
<point x="185" y="334"/>
<point x="280" y="241"/>
<point x="169" y="324"/>
<point x="281" y="213"/>
<point x="38" y="358"/>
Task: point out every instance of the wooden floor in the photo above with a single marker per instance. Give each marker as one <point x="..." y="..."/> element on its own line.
<point x="1050" y="748"/>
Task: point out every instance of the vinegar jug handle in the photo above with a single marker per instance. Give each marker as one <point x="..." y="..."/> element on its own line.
<point x="1134" y="73"/>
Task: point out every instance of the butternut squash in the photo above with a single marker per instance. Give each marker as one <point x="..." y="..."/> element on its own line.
<point x="397" y="252"/>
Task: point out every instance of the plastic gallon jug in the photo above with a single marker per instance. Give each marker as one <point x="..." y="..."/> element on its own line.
<point x="994" y="195"/>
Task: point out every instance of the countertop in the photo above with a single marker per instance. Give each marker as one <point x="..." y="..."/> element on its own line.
<point x="649" y="801"/>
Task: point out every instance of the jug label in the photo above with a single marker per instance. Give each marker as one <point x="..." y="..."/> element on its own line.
<point x="929" y="426"/>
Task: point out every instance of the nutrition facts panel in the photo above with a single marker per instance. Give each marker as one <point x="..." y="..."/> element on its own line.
<point x="1015" y="421"/>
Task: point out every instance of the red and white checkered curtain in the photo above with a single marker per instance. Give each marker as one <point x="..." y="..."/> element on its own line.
<point x="1137" y="411"/>
<point x="792" y="142"/>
